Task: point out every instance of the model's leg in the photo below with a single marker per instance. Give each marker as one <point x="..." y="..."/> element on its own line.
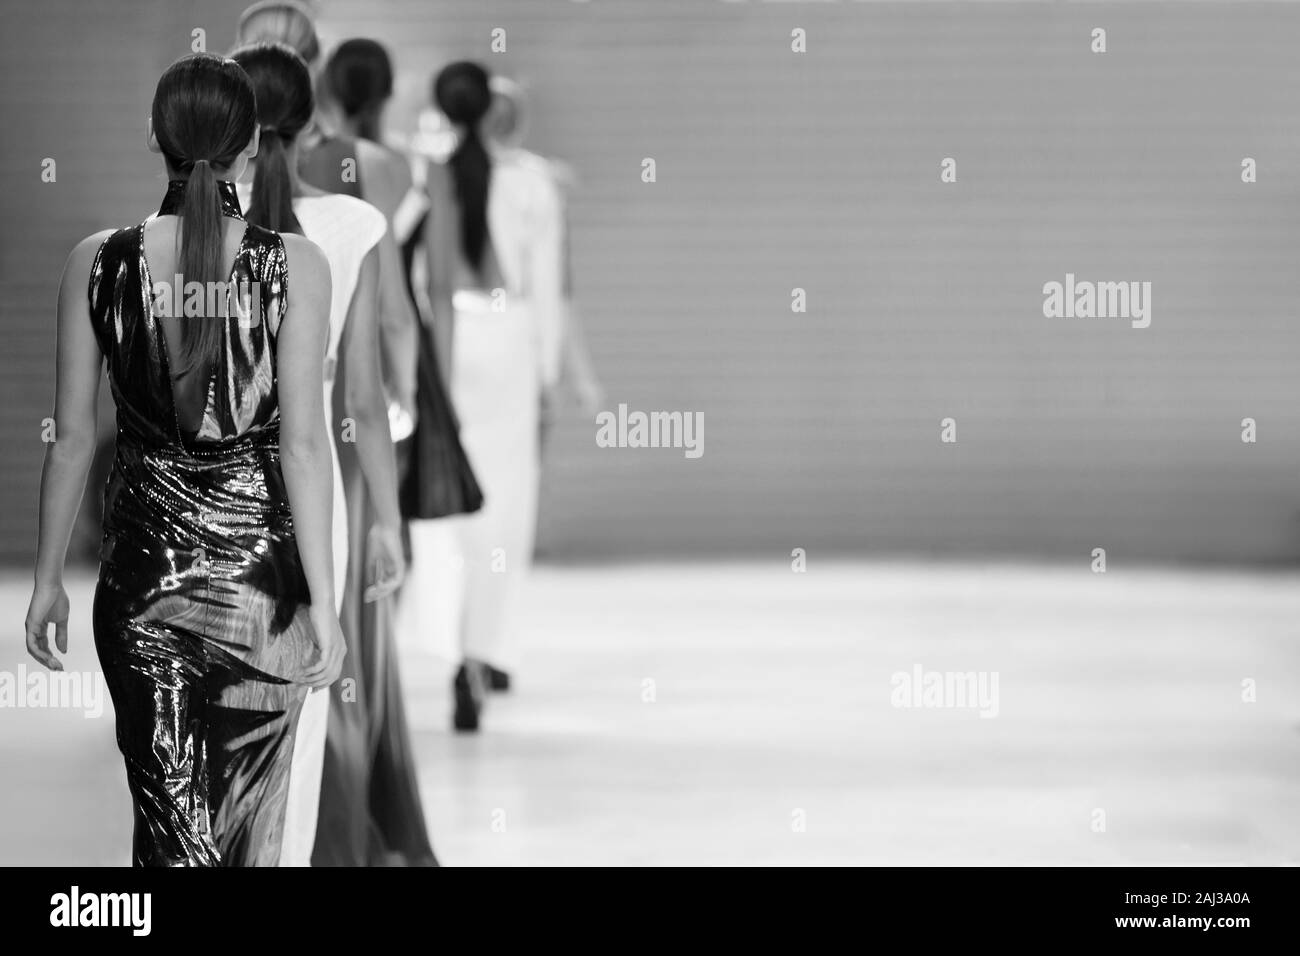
<point x="252" y="719"/>
<point x="155" y="677"/>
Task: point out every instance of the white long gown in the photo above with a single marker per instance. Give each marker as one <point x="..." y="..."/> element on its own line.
<point x="466" y="570"/>
<point x="346" y="229"/>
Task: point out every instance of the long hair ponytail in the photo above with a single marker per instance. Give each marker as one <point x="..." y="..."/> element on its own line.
<point x="203" y="117"/>
<point x="271" y="205"/>
<point x="282" y="84"/>
<point x="463" y="94"/>
<point x="359" y="77"/>
<point x="202" y="236"/>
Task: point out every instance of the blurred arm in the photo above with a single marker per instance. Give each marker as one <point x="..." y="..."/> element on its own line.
<point x="386" y="177"/>
<point x="364" y="394"/>
<point x="304" y="442"/>
<point x="440" y="240"/>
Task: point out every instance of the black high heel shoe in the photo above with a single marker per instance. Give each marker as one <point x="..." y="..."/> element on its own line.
<point x="497" y="680"/>
<point x="468" y="688"/>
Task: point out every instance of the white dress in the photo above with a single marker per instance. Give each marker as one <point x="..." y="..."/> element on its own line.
<point x="346" y="229"/>
<point x="466" y="570"/>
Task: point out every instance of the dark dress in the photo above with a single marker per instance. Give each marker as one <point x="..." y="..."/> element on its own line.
<point x="370" y="808"/>
<point x="201" y="610"/>
<point x="434" y="473"/>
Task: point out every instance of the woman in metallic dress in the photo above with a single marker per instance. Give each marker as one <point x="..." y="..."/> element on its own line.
<point x="214" y="612"/>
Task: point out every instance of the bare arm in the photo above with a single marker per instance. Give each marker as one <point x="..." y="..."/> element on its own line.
<point x="398" y="326"/>
<point x="386" y="176"/>
<point x="363" y="397"/>
<point x="364" y="393"/>
<point x="546" y="280"/>
<point x="440" y="241"/>
<point x="304" y="442"/>
<point x="69" y="455"/>
<point x="577" y="368"/>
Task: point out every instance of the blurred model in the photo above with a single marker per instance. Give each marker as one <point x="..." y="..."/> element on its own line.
<point x="505" y="128"/>
<point x="495" y="265"/>
<point x="370" y="811"/>
<point x="358" y="80"/>
<point x="348" y="231"/>
<point x="339" y="164"/>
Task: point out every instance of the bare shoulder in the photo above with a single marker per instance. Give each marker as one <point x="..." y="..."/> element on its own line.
<point x="309" y="275"/>
<point x="305" y="259"/>
<point x="385" y="176"/>
<point x="384" y="162"/>
<point x="83" y="253"/>
<point x="437" y="176"/>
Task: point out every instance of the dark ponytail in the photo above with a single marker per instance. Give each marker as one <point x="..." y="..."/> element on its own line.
<point x="202" y="236"/>
<point x="367" y="124"/>
<point x="203" y="117"/>
<point x="282" y="84"/>
<point x="271" y="205"/>
<point x="359" y="78"/>
<point x="463" y="94"/>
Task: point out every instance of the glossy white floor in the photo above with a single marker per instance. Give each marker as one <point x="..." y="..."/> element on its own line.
<point x="742" y="713"/>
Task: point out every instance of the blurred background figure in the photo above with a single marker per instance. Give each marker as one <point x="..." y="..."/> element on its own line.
<point x="352" y="86"/>
<point x="335" y="162"/>
<point x="494" y="244"/>
<point x="356" y="84"/>
<point x="370" y="810"/>
<point x="577" y="385"/>
<point x="349" y="231"/>
<point x="290" y="22"/>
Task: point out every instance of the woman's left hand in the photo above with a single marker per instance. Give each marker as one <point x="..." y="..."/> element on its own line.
<point x="49" y="605"/>
<point x="386" y="566"/>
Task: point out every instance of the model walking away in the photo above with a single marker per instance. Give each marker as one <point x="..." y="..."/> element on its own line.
<point x="214" y="612"/>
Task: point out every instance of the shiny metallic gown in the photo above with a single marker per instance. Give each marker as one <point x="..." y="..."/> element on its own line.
<point x="201" y="611"/>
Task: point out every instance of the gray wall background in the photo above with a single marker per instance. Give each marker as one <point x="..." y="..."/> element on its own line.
<point x="817" y="170"/>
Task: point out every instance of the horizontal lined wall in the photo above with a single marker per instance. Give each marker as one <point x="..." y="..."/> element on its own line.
<point x="821" y="171"/>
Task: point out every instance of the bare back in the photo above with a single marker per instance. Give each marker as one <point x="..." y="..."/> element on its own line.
<point x="447" y="257"/>
<point x="161" y="247"/>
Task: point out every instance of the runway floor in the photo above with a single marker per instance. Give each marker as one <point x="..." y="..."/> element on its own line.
<point x="744" y="714"/>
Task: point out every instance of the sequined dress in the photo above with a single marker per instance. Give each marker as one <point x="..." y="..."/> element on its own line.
<point x="201" y="610"/>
